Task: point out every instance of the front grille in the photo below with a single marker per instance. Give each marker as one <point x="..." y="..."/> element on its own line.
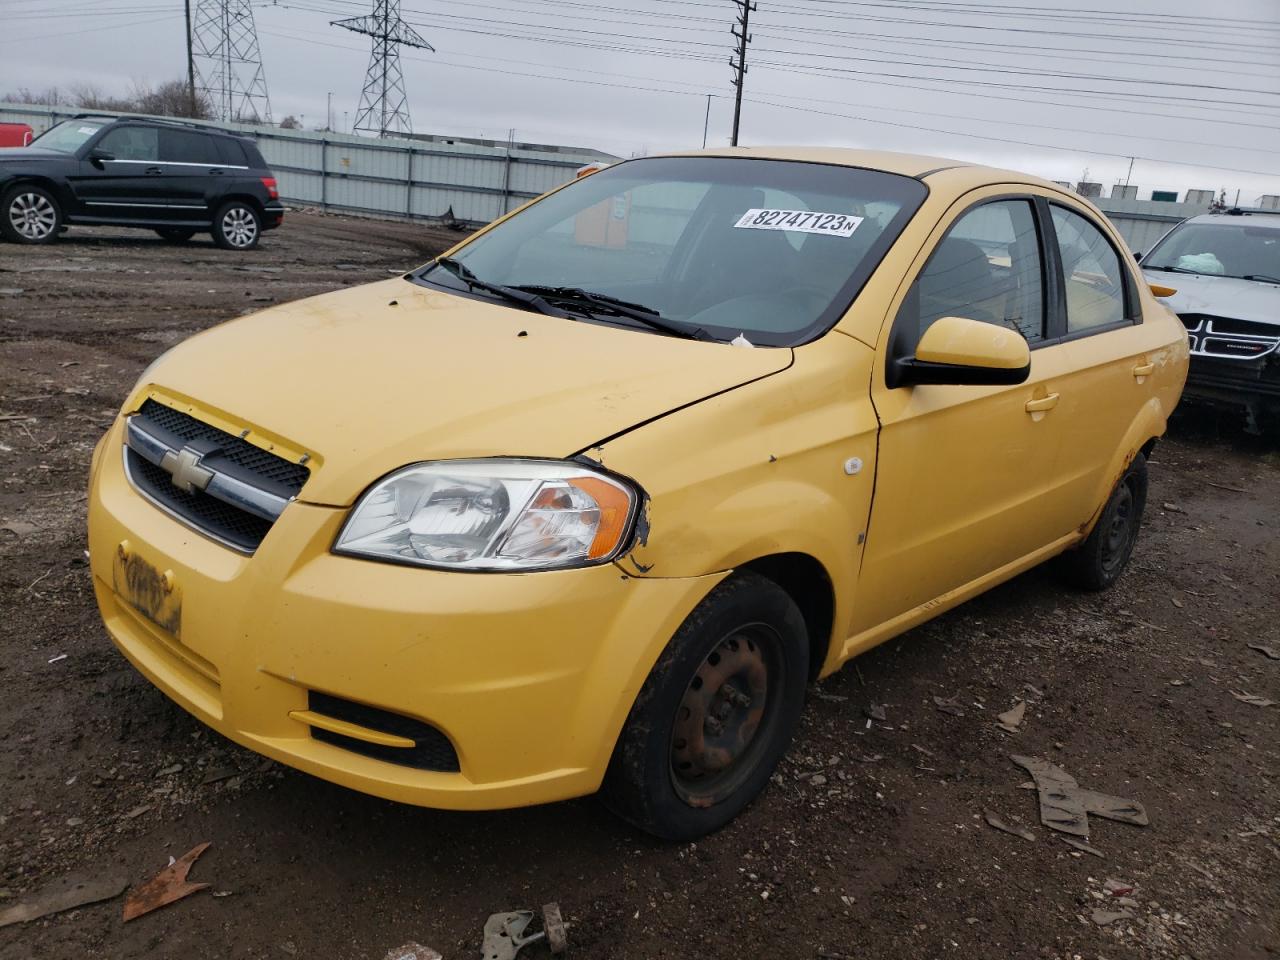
<point x="237" y="509"/>
<point x="220" y="520"/>
<point x="431" y="751"/>
<point x="239" y="451"/>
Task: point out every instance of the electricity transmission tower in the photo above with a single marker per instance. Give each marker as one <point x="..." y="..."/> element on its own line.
<point x="739" y="59"/>
<point x="224" y="47"/>
<point x="384" y="106"/>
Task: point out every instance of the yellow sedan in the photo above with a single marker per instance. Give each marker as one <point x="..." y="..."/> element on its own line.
<point x="586" y="503"/>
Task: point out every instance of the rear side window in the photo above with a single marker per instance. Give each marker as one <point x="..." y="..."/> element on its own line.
<point x="186" y="146"/>
<point x="986" y="268"/>
<point x="131" y="143"/>
<point x="255" y="158"/>
<point x="1092" y="273"/>
<point x="230" y="153"/>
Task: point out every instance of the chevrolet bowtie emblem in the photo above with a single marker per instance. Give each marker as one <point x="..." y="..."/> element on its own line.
<point x="184" y="466"/>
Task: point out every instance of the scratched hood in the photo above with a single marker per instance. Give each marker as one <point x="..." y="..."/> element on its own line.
<point x="1252" y="300"/>
<point x="369" y="379"/>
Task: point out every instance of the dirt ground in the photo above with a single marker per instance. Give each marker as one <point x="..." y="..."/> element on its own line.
<point x="871" y="842"/>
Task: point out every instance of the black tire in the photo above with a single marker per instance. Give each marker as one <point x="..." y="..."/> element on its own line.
<point x="1098" y="562"/>
<point x="237" y="225"/>
<point x="175" y="234"/>
<point x="30" y="214"/>
<point x="659" y="780"/>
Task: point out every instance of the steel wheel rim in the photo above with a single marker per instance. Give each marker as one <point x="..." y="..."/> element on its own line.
<point x="1120" y="533"/>
<point x="723" y="722"/>
<point x="239" y="226"/>
<point x="32" y="215"/>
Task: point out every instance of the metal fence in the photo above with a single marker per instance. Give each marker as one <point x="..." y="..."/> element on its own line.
<point x="384" y="177"/>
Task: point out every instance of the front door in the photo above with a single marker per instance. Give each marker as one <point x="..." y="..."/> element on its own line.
<point x="965" y="477"/>
<point x="129" y="185"/>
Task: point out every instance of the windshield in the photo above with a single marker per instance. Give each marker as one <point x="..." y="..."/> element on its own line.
<point x="68" y="136"/>
<point x="1219" y="249"/>
<point x="774" y="251"/>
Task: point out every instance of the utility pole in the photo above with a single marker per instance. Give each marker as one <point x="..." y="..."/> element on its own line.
<point x="228" y="61"/>
<point x="384" y="105"/>
<point x="1130" y="173"/>
<point x="328" y="113"/>
<point x="739" y="60"/>
<point x="191" y="62"/>
<point x="706" y="121"/>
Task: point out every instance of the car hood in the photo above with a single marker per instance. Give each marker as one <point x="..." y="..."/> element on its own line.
<point x="369" y="379"/>
<point x="32" y="153"/>
<point x="1232" y="297"/>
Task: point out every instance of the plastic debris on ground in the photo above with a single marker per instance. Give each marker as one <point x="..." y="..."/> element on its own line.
<point x="1011" y="720"/>
<point x="1065" y="806"/>
<point x="63" y="895"/>
<point x="413" y="951"/>
<point x="999" y="824"/>
<point x="167" y="886"/>
<point x="504" y="933"/>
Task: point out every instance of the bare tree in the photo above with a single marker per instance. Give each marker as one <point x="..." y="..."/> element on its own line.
<point x="290" y="123"/>
<point x="170" y="99"/>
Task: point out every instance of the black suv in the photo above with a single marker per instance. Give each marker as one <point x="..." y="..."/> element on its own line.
<point x="173" y="177"/>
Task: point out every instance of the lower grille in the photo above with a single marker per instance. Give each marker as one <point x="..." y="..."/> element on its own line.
<point x="431" y="750"/>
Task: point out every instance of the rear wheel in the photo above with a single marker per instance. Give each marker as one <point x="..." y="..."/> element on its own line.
<point x="1098" y="562"/>
<point x="715" y="715"/>
<point x="175" y="234"/>
<point x="237" y="226"/>
<point x="30" y="214"/>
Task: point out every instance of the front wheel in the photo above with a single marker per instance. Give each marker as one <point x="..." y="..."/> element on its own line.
<point x="237" y="226"/>
<point x="1098" y="562"/>
<point x="715" y="715"/>
<point x="30" y="214"/>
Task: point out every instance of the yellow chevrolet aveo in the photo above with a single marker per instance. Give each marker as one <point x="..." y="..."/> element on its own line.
<point x="586" y="503"/>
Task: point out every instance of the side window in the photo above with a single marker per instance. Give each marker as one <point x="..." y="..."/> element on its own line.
<point x="230" y="152"/>
<point x="1092" y="273"/>
<point x="186" y="146"/>
<point x="986" y="268"/>
<point x="131" y="143"/>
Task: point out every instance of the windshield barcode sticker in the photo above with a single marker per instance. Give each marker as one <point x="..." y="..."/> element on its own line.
<point x="801" y="221"/>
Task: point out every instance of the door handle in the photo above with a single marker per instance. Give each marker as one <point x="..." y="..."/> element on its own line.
<point x="152" y="171"/>
<point x="1042" y="404"/>
<point x="216" y="171"/>
<point x="1144" y="370"/>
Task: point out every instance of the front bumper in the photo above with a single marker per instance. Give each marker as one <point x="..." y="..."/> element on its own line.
<point x="529" y="676"/>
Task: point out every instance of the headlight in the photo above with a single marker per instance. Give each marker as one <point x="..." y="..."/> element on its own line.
<point x="491" y="515"/>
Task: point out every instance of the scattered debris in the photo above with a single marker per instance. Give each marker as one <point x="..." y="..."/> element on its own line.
<point x="1176" y="602"/>
<point x="949" y="706"/>
<point x="1271" y="653"/>
<point x="504" y="932"/>
<point x="1253" y="699"/>
<point x="1083" y="847"/>
<point x="61" y="656"/>
<point x="921" y="750"/>
<point x="870" y="758"/>
<point x="1065" y="806"/>
<point x="137" y="812"/>
<point x="413" y="951"/>
<point x="1172" y="508"/>
<point x="167" y="886"/>
<point x="218" y="773"/>
<point x="1225" y="486"/>
<point x="999" y="824"/>
<point x="830" y="697"/>
<point x="1117" y="888"/>
<point x="169" y="770"/>
<point x="1103" y="917"/>
<point x="19" y="528"/>
<point x="1011" y="720"/>
<point x="874" y="711"/>
<point x="63" y="895"/>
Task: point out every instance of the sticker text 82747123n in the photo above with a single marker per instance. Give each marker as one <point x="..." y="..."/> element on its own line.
<point x="802" y="221"/>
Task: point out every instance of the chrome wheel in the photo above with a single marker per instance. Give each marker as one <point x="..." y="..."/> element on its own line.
<point x="32" y="216"/>
<point x="240" y="227"/>
<point x="716" y="738"/>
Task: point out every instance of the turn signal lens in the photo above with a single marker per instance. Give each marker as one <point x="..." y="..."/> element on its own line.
<point x="273" y="191"/>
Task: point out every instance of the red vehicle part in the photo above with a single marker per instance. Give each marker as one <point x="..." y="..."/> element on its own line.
<point x="15" y="134"/>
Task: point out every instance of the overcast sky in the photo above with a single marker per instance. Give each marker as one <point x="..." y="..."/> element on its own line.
<point x="1052" y="89"/>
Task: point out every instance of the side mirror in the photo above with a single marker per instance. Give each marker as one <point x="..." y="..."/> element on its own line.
<point x="96" y="157"/>
<point x="959" y="351"/>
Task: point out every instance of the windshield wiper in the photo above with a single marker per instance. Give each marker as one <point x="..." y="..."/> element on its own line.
<point x="528" y="299"/>
<point x="1261" y="276"/>
<point x="623" y="308"/>
<point x="1179" y="270"/>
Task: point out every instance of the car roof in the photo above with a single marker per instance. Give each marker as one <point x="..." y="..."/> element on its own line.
<point x="914" y="165"/>
<point x="1269" y="221"/>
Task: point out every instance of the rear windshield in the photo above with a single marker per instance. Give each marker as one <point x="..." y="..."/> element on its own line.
<point x="1219" y="249"/>
<point x="68" y="136"/>
<point x="774" y="251"/>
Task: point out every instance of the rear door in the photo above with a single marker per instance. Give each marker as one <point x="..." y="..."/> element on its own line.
<point x="192" y="167"/>
<point x="1112" y="351"/>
